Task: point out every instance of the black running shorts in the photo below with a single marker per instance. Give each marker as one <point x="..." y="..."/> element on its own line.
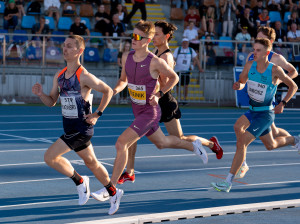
<point x="76" y="141"/>
<point x="169" y="108"/>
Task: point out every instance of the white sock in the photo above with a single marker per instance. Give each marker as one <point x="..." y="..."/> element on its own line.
<point x="244" y="163"/>
<point x="296" y="139"/>
<point x="229" y="178"/>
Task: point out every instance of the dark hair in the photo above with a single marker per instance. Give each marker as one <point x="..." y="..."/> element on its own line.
<point x="167" y="28"/>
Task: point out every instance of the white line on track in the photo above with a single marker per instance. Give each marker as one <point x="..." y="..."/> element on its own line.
<point x="154" y="192"/>
<point x="155" y="172"/>
<point x="28" y="139"/>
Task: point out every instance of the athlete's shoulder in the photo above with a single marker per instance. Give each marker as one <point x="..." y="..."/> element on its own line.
<point x="277" y="58"/>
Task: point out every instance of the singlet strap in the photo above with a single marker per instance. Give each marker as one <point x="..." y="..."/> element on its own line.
<point x="78" y="72"/>
<point x="62" y="72"/>
<point x="166" y="51"/>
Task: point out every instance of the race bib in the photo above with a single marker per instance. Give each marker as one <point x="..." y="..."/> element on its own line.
<point x="257" y="91"/>
<point x="69" y="107"/>
<point x="137" y="93"/>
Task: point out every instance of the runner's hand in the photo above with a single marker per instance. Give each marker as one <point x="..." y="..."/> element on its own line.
<point x="279" y="108"/>
<point x="91" y="118"/>
<point x="37" y="89"/>
<point x="236" y="86"/>
<point x="153" y="100"/>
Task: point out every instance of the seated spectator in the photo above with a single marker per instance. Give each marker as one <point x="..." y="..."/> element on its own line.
<point x="275" y="5"/>
<point x="192" y="34"/>
<point x="20" y="5"/>
<point x="294" y="34"/>
<point x="290" y="5"/>
<point x="228" y="16"/>
<point x="102" y="20"/>
<point x="294" y="19"/>
<point x="192" y="16"/>
<point x="258" y="9"/>
<point x="208" y="21"/>
<point x="51" y="8"/>
<point x="243" y="36"/>
<point x="241" y="8"/>
<point x="40" y="28"/>
<point x="210" y="52"/>
<point x="263" y="19"/>
<point x="115" y="29"/>
<point x="79" y="28"/>
<point x="280" y="34"/>
<point x="11" y="14"/>
<point x="247" y="21"/>
<point x="183" y="3"/>
<point x="122" y="12"/>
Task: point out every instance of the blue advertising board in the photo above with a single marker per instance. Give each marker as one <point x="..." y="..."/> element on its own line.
<point x="241" y="96"/>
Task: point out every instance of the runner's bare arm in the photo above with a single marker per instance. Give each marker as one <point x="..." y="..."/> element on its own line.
<point x="122" y="82"/>
<point x="48" y="100"/>
<point x="279" y="60"/>
<point x="240" y="84"/>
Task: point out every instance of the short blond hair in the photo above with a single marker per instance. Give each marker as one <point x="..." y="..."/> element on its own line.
<point x="79" y="41"/>
<point x="146" y="27"/>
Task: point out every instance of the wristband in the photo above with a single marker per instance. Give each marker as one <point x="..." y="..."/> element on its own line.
<point x="283" y="102"/>
<point x="99" y="113"/>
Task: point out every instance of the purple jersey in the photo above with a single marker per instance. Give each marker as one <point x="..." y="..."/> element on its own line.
<point x="73" y="106"/>
<point x="141" y="86"/>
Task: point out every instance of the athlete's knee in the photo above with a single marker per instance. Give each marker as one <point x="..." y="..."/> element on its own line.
<point x="160" y="145"/>
<point x="121" y="145"/>
<point x="238" y="128"/>
<point x="49" y="159"/>
<point x="270" y="145"/>
<point x="91" y="163"/>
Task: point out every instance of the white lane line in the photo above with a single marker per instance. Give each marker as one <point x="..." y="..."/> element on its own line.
<point x="159" y="171"/>
<point x="197" y="213"/>
<point x="155" y="192"/>
<point x="28" y="139"/>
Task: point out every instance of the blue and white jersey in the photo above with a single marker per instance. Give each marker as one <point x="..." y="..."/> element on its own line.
<point x="260" y="88"/>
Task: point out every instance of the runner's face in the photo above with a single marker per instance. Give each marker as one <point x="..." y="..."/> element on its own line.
<point x="259" y="52"/>
<point x="159" y="37"/>
<point x="137" y="44"/>
<point x="70" y="50"/>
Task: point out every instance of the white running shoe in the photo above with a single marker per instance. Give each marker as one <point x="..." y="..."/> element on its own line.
<point x="242" y="172"/>
<point x="101" y="195"/>
<point x="115" y="201"/>
<point x="84" y="190"/>
<point x="297" y="145"/>
<point x="200" y="151"/>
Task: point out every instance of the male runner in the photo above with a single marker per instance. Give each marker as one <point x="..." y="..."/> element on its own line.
<point x="277" y="59"/>
<point x="140" y="71"/>
<point x="73" y="85"/>
<point x="169" y="106"/>
<point x="262" y="78"/>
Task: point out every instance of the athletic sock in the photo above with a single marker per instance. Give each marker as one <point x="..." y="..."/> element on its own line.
<point x="111" y="189"/>
<point x="229" y="178"/>
<point x="244" y="163"/>
<point x="77" y="178"/>
<point x="296" y="139"/>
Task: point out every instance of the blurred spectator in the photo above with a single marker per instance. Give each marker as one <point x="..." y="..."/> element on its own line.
<point x="79" y="28"/>
<point x="11" y="14"/>
<point x="208" y="21"/>
<point x="210" y="52"/>
<point x="294" y="34"/>
<point x="183" y="3"/>
<point x="121" y="11"/>
<point x="228" y="17"/>
<point x="192" y="34"/>
<point x="51" y="8"/>
<point x="247" y="21"/>
<point x="20" y="5"/>
<point x="263" y="19"/>
<point x="102" y="20"/>
<point x="126" y="48"/>
<point x="243" y="36"/>
<point x="290" y="5"/>
<point x="241" y="8"/>
<point x="34" y="8"/>
<point x="258" y="9"/>
<point x="192" y="16"/>
<point x="280" y="34"/>
<point x="294" y="19"/>
<point x="185" y="58"/>
<point x="115" y="29"/>
<point x="137" y="4"/>
<point x="113" y="6"/>
<point x="40" y="28"/>
<point x="275" y="5"/>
